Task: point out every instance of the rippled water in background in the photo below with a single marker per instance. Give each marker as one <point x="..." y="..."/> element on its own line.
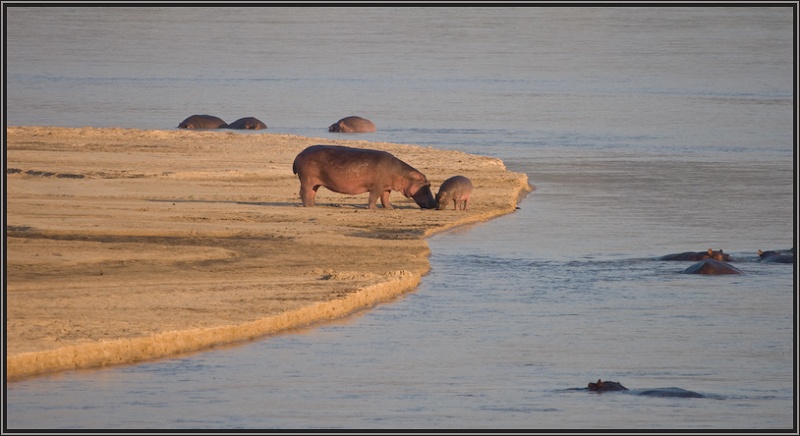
<point x="646" y="131"/>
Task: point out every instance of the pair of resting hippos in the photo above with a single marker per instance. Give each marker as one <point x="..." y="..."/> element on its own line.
<point x="350" y="124"/>
<point x="716" y="262"/>
<point x="353" y="171"/>
<point x="212" y="122"/>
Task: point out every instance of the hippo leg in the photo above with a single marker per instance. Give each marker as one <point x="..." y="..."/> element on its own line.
<point x="384" y="200"/>
<point x="308" y="195"/>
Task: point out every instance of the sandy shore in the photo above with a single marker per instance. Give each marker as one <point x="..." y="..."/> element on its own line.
<point x="125" y="245"/>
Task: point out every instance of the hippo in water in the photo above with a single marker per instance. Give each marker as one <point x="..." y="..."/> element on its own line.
<point x="352" y="124"/>
<point x="348" y="170"/>
<point x="777" y="256"/>
<point x="606" y="386"/>
<point x="202" y="122"/>
<point x="248" y="123"/>
<point x="456" y="189"/>
<point x="698" y="255"/>
<point x="711" y="266"/>
<point x="610" y="386"/>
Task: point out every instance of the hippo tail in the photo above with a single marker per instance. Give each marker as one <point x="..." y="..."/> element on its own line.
<point x="294" y="166"/>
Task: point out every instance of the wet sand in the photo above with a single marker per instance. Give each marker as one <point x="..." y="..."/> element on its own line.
<point x="126" y="245"/>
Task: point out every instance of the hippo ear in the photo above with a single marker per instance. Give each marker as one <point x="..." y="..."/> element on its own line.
<point x="710" y="251"/>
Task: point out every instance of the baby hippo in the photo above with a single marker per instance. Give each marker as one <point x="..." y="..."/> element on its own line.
<point x="456" y="189"/>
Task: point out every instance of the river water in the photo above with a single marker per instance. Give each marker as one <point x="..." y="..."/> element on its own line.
<point x="646" y="131"/>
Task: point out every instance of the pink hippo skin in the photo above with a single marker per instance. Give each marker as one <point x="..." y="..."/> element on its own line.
<point x="353" y="171"/>
<point x="456" y="189"/>
<point x="202" y="122"/>
<point x="352" y="125"/>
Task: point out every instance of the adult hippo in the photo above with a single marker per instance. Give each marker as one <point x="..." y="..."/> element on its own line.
<point x="352" y="124"/>
<point x="610" y="386"/>
<point x="348" y="170"/>
<point x="202" y="122"/>
<point x="711" y="266"/>
<point x="456" y="189"/>
<point x="607" y="386"/>
<point x="698" y="255"/>
<point x="777" y="256"/>
<point x="247" y="123"/>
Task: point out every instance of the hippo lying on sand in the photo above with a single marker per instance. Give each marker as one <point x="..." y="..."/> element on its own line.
<point x="711" y="266"/>
<point x="698" y="255"/>
<point x="202" y="122"/>
<point x="248" y="123"/>
<point x="352" y="124"/>
<point x="782" y="256"/>
<point x="353" y="171"/>
<point x="456" y="189"/>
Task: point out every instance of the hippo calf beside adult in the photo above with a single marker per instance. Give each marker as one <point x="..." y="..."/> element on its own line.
<point x="698" y="255"/>
<point x="352" y="124"/>
<point x="777" y="256"/>
<point x="712" y="267"/>
<point x="247" y="123"/>
<point x="202" y="122"/>
<point x="456" y="189"/>
<point x="349" y="170"/>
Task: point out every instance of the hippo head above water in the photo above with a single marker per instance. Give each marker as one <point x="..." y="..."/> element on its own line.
<point x="699" y="255"/>
<point x="607" y="386"/>
<point x="718" y="255"/>
<point x="777" y="256"/>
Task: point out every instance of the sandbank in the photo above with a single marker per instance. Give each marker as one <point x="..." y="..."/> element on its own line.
<point x="125" y="245"/>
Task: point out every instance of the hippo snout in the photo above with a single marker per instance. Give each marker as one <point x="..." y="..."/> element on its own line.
<point x="424" y="197"/>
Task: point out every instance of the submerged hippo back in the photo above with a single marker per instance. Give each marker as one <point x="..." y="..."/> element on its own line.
<point x="777" y="256"/>
<point x="352" y="124"/>
<point x="711" y="266"/>
<point x="202" y="122"/>
<point x="247" y="123"/>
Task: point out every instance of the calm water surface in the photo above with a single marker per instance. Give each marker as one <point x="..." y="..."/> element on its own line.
<point x="645" y="131"/>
